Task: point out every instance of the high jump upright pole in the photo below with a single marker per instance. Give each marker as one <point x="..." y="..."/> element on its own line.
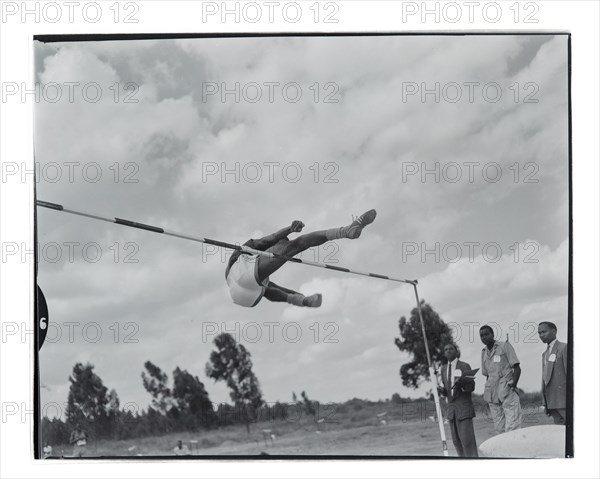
<point x="436" y="397"/>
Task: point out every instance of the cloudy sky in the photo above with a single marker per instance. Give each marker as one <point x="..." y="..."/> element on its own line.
<point x="502" y="240"/>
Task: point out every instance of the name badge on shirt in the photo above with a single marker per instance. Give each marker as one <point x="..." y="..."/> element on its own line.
<point x="457" y="373"/>
<point x="552" y="358"/>
<point x="496" y="358"/>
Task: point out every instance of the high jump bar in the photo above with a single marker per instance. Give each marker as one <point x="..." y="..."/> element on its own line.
<point x="221" y="244"/>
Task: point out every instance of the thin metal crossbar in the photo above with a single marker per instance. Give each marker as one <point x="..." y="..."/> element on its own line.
<point x="221" y="244"/>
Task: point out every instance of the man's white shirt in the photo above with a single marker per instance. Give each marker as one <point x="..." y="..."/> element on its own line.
<point x="452" y="372"/>
<point x="548" y="351"/>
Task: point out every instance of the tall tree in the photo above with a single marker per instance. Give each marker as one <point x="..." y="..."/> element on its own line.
<point x="113" y="413"/>
<point x="231" y="363"/>
<point x="155" y="382"/>
<point x="192" y="399"/>
<point x="414" y="372"/>
<point x="54" y="432"/>
<point x="310" y="407"/>
<point x="88" y="399"/>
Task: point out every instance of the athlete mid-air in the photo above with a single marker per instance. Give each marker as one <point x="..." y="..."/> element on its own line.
<point x="248" y="274"/>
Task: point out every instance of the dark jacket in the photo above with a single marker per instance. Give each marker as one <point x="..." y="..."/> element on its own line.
<point x="460" y="405"/>
<point x="554" y="377"/>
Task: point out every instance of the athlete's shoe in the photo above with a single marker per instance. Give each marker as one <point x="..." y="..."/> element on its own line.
<point x="313" y="301"/>
<point x="354" y="230"/>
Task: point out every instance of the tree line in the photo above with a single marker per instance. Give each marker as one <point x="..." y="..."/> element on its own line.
<point x="182" y="404"/>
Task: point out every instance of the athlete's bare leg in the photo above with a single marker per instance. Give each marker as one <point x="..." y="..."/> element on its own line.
<point x="279" y="294"/>
<point x="289" y="249"/>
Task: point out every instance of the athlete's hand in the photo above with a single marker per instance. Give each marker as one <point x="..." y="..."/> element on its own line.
<point x="297" y="226"/>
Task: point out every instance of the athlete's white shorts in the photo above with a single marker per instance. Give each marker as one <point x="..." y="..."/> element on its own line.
<point x="244" y="287"/>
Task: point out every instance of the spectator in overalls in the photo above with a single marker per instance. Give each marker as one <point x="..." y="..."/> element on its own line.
<point x="500" y="366"/>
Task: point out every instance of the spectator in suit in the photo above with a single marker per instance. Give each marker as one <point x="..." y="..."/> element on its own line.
<point x="460" y="411"/>
<point x="554" y="373"/>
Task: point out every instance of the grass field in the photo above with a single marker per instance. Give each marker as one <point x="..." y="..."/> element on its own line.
<point x="407" y="432"/>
